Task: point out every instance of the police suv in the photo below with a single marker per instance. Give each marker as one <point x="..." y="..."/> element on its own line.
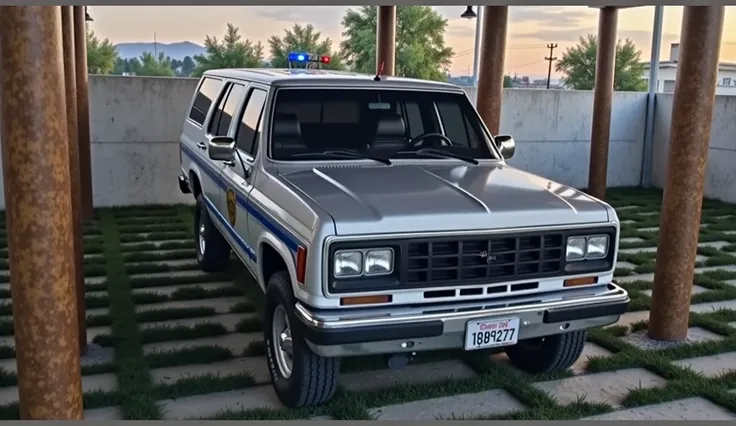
<point x="379" y="216"/>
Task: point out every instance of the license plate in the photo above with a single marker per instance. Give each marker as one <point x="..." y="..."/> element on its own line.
<point x="490" y="333"/>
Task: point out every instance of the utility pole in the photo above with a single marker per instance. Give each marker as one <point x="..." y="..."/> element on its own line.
<point x="551" y="47"/>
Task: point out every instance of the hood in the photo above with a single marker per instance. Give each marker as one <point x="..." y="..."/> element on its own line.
<point x="413" y="198"/>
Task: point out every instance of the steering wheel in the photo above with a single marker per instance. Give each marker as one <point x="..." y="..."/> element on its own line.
<point x="415" y="141"/>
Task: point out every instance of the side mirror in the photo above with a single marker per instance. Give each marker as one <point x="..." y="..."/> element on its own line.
<point x="506" y="145"/>
<point x="221" y="148"/>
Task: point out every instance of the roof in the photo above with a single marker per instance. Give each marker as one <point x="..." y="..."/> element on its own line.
<point x="317" y="77"/>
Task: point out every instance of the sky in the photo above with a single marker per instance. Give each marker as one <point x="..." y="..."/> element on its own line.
<point x="530" y="28"/>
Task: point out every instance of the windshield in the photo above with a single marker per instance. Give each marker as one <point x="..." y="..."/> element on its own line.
<point x="353" y="124"/>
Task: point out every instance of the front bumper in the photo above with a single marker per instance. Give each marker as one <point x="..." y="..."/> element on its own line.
<point x="385" y="330"/>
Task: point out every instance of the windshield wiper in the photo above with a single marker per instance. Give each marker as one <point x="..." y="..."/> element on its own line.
<point x="343" y="154"/>
<point x="432" y="152"/>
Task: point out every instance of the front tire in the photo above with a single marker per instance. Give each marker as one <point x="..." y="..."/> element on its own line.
<point x="549" y="354"/>
<point x="300" y="377"/>
<point x="213" y="251"/>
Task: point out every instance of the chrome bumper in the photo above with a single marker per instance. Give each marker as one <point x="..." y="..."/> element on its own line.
<point x="354" y="332"/>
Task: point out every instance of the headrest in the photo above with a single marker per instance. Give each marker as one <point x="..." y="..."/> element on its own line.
<point x="286" y="126"/>
<point x="389" y="126"/>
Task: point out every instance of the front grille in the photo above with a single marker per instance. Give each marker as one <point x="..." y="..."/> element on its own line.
<point x="484" y="260"/>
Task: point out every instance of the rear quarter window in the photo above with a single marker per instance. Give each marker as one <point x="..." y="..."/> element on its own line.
<point x="203" y="99"/>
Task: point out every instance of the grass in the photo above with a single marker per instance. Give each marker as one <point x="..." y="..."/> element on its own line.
<point x="134" y="241"/>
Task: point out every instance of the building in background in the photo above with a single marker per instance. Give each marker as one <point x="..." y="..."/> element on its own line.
<point x="668" y="74"/>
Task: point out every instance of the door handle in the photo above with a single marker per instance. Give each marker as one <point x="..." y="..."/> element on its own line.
<point x="201" y="145"/>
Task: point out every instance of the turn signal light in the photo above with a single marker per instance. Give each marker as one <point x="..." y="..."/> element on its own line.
<point x="365" y="300"/>
<point x="574" y="282"/>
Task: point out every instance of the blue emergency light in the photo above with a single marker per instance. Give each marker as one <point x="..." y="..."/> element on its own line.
<point x="306" y="57"/>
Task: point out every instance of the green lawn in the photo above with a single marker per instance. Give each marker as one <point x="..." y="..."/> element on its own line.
<point x="145" y="286"/>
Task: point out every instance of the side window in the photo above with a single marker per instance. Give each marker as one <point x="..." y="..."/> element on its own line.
<point x="249" y="122"/>
<point x="214" y="124"/>
<point x="234" y="98"/>
<point x="413" y="117"/>
<point x="203" y="100"/>
<point x="455" y="123"/>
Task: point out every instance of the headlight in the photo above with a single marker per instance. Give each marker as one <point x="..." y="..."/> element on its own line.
<point x="597" y="247"/>
<point x="581" y="247"/>
<point x="575" y="248"/>
<point x="369" y="262"/>
<point x="348" y="263"/>
<point x="379" y="262"/>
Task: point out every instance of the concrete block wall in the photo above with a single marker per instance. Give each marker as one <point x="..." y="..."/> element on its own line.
<point x="136" y="122"/>
<point x="720" y="174"/>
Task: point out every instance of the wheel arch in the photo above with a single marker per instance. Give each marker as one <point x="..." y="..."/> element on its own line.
<point x="273" y="256"/>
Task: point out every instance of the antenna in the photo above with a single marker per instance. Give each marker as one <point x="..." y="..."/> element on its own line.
<point x="378" y="74"/>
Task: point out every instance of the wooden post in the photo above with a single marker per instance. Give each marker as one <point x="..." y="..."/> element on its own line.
<point x="35" y="156"/>
<point x="386" y="40"/>
<point x="82" y="83"/>
<point x="602" y="100"/>
<point x="70" y="83"/>
<point x="489" y="96"/>
<point x="692" y="114"/>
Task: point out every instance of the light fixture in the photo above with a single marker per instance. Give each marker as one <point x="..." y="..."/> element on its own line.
<point x="87" y="18"/>
<point x="469" y="13"/>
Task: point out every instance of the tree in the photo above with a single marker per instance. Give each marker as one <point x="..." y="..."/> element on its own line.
<point x="232" y="52"/>
<point x="153" y="66"/>
<point x="578" y="66"/>
<point x="508" y="81"/>
<point x="187" y="66"/>
<point x="101" y="54"/>
<point x="301" y="39"/>
<point x="420" y="42"/>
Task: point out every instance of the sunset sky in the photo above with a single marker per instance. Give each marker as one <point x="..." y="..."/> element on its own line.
<point x="530" y="28"/>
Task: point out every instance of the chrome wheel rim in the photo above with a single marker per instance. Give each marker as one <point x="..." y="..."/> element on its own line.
<point x="282" y="338"/>
<point x="201" y="238"/>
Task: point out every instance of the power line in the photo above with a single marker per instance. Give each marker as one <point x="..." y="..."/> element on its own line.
<point x="525" y="65"/>
<point x="551" y="47"/>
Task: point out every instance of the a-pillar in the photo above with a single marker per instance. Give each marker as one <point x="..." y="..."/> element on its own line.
<point x="692" y="112"/>
<point x="70" y="78"/>
<point x="35" y="158"/>
<point x="602" y="100"/>
<point x="489" y="95"/>
<point x="386" y="40"/>
<point x="83" y="132"/>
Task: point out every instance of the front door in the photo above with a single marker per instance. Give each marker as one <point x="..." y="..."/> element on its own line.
<point x="239" y="176"/>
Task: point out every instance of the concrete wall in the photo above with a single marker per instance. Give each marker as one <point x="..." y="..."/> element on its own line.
<point x="552" y="132"/>
<point x="720" y="175"/>
<point x="136" y="122"/>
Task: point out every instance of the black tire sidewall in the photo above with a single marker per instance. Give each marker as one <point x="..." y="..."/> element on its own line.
<point x="200" y="218"/>
<point x="278" y="293"/>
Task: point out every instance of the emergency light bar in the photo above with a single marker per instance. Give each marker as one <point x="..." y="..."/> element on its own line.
<point x="306" y="57"/>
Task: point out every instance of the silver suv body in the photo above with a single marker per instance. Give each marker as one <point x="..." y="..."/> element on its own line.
<point x="379" y="216"/>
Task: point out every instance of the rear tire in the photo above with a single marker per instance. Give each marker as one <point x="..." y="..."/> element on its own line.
<point x="308" y="379"/>
<point x="549" y="354"/>
<point x="213" y="251"/>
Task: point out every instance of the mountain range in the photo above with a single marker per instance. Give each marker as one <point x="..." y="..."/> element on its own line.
<point x="174" y="50"/>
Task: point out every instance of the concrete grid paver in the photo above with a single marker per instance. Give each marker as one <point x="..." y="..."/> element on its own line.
<point x="610" y="387"/>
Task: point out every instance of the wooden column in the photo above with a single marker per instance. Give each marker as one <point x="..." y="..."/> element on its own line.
<point x="70" y="83"/>
<point x="386" y="40"/>
<point x="489" y="94"/>
<point x="603" y="97"/>
<point x="35" y="156"/>
<point x="85" y="160"/>
<point x="692" y="113"/>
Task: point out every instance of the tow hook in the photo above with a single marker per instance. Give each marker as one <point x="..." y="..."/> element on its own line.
<point x="399" y="361"/>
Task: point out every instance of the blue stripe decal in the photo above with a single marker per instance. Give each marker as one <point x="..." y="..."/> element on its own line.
<point x="230" y="230"/>
<point x="263" y="217"/>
